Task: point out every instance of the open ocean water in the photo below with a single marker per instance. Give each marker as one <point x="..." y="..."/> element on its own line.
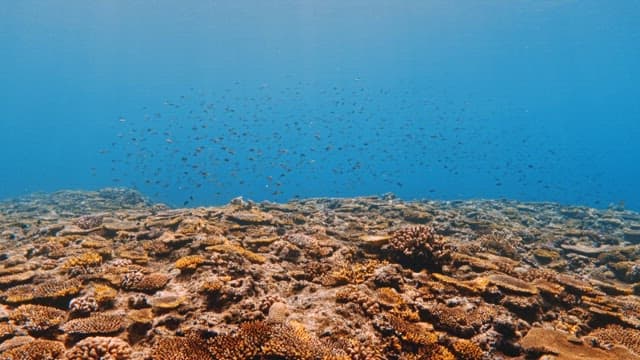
<point x="199" y="102"/>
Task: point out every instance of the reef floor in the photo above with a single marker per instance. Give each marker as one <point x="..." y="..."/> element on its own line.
<point x="109" y="275"/>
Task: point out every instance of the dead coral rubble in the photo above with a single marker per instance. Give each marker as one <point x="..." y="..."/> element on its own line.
<point x="107" y="275"/>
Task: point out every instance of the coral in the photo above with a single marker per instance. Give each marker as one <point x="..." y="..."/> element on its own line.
<point x="545" y="256"/>
<point x="527" y="308"/>
<point x="6" y="330"/>
<point x="467" y="350"/>
<point x="95" y="324"/>
<point x="213" y="286"/>
<point x="352" y="294"/>
<point x="35" y="350"/>
<point x="138" y="281"/>
<point x="180" y="348"/>
<point x="352" y="273"/>
<point x="501" y="243"/>
<point x="47" y="291"/>
<point x="38" y="317"/>
<point x="458" y="320"/>
<point x="539" y="341"/>
<point x="511" y="284"/>
<point x="89" y="221"/>
<point x="419" y="247"/>
<point x="189" y="263"/>
<point x="104" y="294"/>
<point x="99" y="348"/>
<point x="83" y="305"/>
<point x="142" y="316"/>
<point x="167" y="302"/>
<point x="389" y="297"/>
<point x="14" y="279"/>
<point x="412" y="333"/>
<point x="88" y="259"/>
<point x="270" y="340"/>
<point x="230" y="248"/>
<point x="617" y="335"/>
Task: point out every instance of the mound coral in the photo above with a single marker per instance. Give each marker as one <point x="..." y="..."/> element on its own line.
<point x="100" y="348"/>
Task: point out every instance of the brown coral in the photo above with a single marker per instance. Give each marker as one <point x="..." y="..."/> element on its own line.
<point x="270" y="340"/>
<point x="35" y="350"/>
<point x="458" y="320"/>
<point x="38" y="317"/>
<point x="95" y="324"/>
<point x="419" y="247"/>
<point x="47" y="291"/>
<point x="139" y="281"/>
<point x="617" y="335"/>
<point x="180" y="348"/>
<point x="99" y="348"/>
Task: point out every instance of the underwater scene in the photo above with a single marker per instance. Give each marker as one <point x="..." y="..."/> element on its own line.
<point x="320" y="180"/>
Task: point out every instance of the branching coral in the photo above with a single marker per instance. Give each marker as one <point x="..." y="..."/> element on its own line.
<point x="83" y="305"/>
<point x="467" y="350"/>
<point x="419" y="247"/>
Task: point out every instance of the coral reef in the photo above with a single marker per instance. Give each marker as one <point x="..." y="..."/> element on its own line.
<point x="333" y="279"/>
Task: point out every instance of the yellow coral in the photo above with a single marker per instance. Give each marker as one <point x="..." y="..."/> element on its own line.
<point x="467" y="350"/>
<point x="104" y="294"/>
<point x="189" y="262"/>
<point x="90" y="258"/>
<point x="47" y="291"/>
<point x="231" y="248"/>
<point x="352" y="273"/>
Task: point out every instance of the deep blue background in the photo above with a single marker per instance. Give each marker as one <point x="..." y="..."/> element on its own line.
<point x="533" y="100"/>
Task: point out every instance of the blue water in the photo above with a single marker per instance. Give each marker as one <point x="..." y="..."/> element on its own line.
<point x="201" y="101"/>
